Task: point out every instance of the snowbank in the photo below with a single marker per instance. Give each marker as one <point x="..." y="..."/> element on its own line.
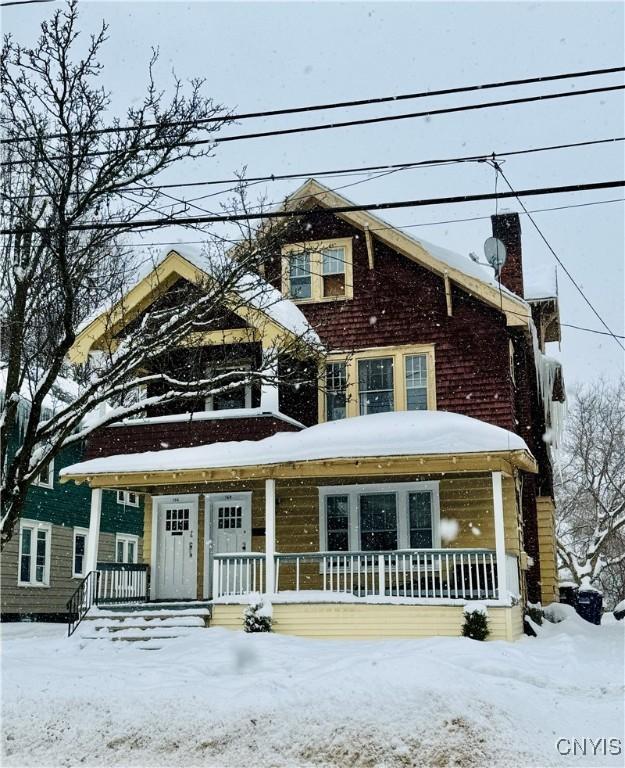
<point x="402" y="433"/>
<point x="221" y="698"/>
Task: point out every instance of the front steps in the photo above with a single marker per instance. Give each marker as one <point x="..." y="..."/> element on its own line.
<point x="150" y="625"/>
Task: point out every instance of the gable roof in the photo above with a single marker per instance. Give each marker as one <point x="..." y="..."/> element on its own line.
<point x="263" y="305"/>
<point x="474" y="278"/>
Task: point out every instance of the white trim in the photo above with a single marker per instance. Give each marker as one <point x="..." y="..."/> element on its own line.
<point x="270" y="535"/>
<point x="353" y="492"/>
<point x="500" y="537"/>
<point x="125" y="500"/>
<point x="209" y="500"/>
<point x="80" y="532"/>
<point x="50" y="483"/>
<point x="35" y="526"/>
<point x="125" y="539"/>
<point x="94" y="529"/>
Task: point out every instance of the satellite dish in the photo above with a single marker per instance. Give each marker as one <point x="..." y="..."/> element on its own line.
<point x="495" y="252"/>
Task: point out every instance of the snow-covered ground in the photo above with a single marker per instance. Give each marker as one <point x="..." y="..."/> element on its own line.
<point x="218" y="698"/>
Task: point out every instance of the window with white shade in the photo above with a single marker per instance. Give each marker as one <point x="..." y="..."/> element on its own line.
<point x="333" y="271"/>
<point x="34" y="554"/>
<point x="319" y="270"/>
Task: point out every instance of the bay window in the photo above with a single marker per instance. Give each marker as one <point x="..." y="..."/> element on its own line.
<point x="379" y="517"/>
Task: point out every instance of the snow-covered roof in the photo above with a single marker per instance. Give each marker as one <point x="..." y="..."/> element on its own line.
<point x="402" y="433"/>
<point x="62" y="392"/>
<point x="251" y="288"/>
<point x="540" y="283"/>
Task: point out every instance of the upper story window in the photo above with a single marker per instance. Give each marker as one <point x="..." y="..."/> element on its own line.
<point x="378" y="381"/>
<point x="239" y="396"/>
<point x="320" y="270"/>
<point x="45" y="478"/>
<point x="128" y="498"/>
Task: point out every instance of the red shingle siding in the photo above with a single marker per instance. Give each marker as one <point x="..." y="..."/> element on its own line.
<point x="181" y="434"/>
<point x="400" y="302"/>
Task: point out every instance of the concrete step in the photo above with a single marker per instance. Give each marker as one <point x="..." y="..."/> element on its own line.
<point x="140" y="635"/>
<point x="172" y="605"/>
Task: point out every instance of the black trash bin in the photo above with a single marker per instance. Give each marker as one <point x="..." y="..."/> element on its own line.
<point x="590" y="605"/>
<point x="568" y="595"/>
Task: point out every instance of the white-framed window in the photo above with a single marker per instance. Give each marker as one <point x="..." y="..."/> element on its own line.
<point x="45" y="478"/>
<point x="379" y="517"/>
<point x="321" y="270"/>
<point x="126" y="548"/>
<point x="79" y="556"/>
<point x="416" y="373"/>
<point x="34" y="554"/>
<point x="236" y="397"/>
<point x="128" y="498"/>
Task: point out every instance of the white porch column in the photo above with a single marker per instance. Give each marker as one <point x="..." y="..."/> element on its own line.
<point x="500" y="536"/>
<point x="270" y="535"/>
<point x="94" y="529"/>
<point x="269" y="397"/>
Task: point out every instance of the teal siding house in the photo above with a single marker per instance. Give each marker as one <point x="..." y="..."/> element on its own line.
<point x="45" y="561"/>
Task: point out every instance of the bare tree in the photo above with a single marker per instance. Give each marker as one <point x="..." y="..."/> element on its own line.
<point x="63" y="167"/>
<point x="591" y="491"/>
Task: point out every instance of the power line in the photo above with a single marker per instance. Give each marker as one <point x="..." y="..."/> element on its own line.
<point x="558" y="259"/>
<point x="25" y="2"/>
<point x="286" y="214"/>
<point x="337" y="104"/>
<point x="358" y="170"/>
<point x="403" y="226"/>
<point x="343" y="124"/>
<point x="592" y="330"/>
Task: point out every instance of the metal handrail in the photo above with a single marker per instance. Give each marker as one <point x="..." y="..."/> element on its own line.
<point x="85" y="596"/>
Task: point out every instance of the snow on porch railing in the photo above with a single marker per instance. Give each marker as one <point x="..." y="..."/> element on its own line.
<point x="238" y="574"/>
<point x="425" y="574"/>
<point x="460" y="574"/>
<point x="122" y="582"/>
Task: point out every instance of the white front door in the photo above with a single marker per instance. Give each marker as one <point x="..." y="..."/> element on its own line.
<point x="176" y="547"/>
<point x="231" y="523"/>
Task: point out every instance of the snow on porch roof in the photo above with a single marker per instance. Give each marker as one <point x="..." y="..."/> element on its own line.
<point x="404" y="433"/>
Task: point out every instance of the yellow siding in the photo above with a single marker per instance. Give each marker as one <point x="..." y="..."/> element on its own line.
<point x="349" y="621"/>
<point x="545" y="509"/>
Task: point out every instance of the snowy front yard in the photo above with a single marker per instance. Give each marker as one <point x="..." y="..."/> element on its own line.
<point x="227" y="699"/>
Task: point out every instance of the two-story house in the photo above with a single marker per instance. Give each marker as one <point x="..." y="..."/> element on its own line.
<point x="410" y="477"/>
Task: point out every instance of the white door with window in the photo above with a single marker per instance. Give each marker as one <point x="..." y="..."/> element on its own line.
<point x="175" y="526"/>
<point x="230" y="524"/>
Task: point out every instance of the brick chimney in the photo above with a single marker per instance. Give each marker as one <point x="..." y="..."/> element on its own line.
<point x="507" y="228"/>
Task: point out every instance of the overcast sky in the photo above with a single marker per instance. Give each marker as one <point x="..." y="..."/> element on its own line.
<point x="258" y="56"/>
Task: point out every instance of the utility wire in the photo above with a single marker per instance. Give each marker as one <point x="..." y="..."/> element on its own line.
<point x="592" y="330"/>
<point x="343" y="124"/>
<point x="24" y="2"/>
<point x="559" y="260"/>
<point x="337" y="104"/>
<point x="286" y="214"/>
<point x="358" y="170"/>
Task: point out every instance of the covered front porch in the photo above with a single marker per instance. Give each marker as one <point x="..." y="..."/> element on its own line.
<point x="396" y="528"/>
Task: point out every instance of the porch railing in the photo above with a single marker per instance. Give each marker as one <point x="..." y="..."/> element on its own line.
<point x="238" y="574"/>
<point x="122" y="582"/>
<point x="467" y="574"/>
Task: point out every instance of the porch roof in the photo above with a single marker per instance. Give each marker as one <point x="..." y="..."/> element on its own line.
<point x="416" y="440"/>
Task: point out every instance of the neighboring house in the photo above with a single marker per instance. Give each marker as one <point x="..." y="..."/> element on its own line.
<point x="45" y="561"/>
<point x="416" y="477"/>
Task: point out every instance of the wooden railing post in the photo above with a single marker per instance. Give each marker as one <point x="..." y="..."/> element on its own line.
<point x="381" y="576"/>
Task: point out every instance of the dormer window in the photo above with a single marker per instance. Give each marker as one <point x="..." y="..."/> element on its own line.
<point x="318" y="271"/>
